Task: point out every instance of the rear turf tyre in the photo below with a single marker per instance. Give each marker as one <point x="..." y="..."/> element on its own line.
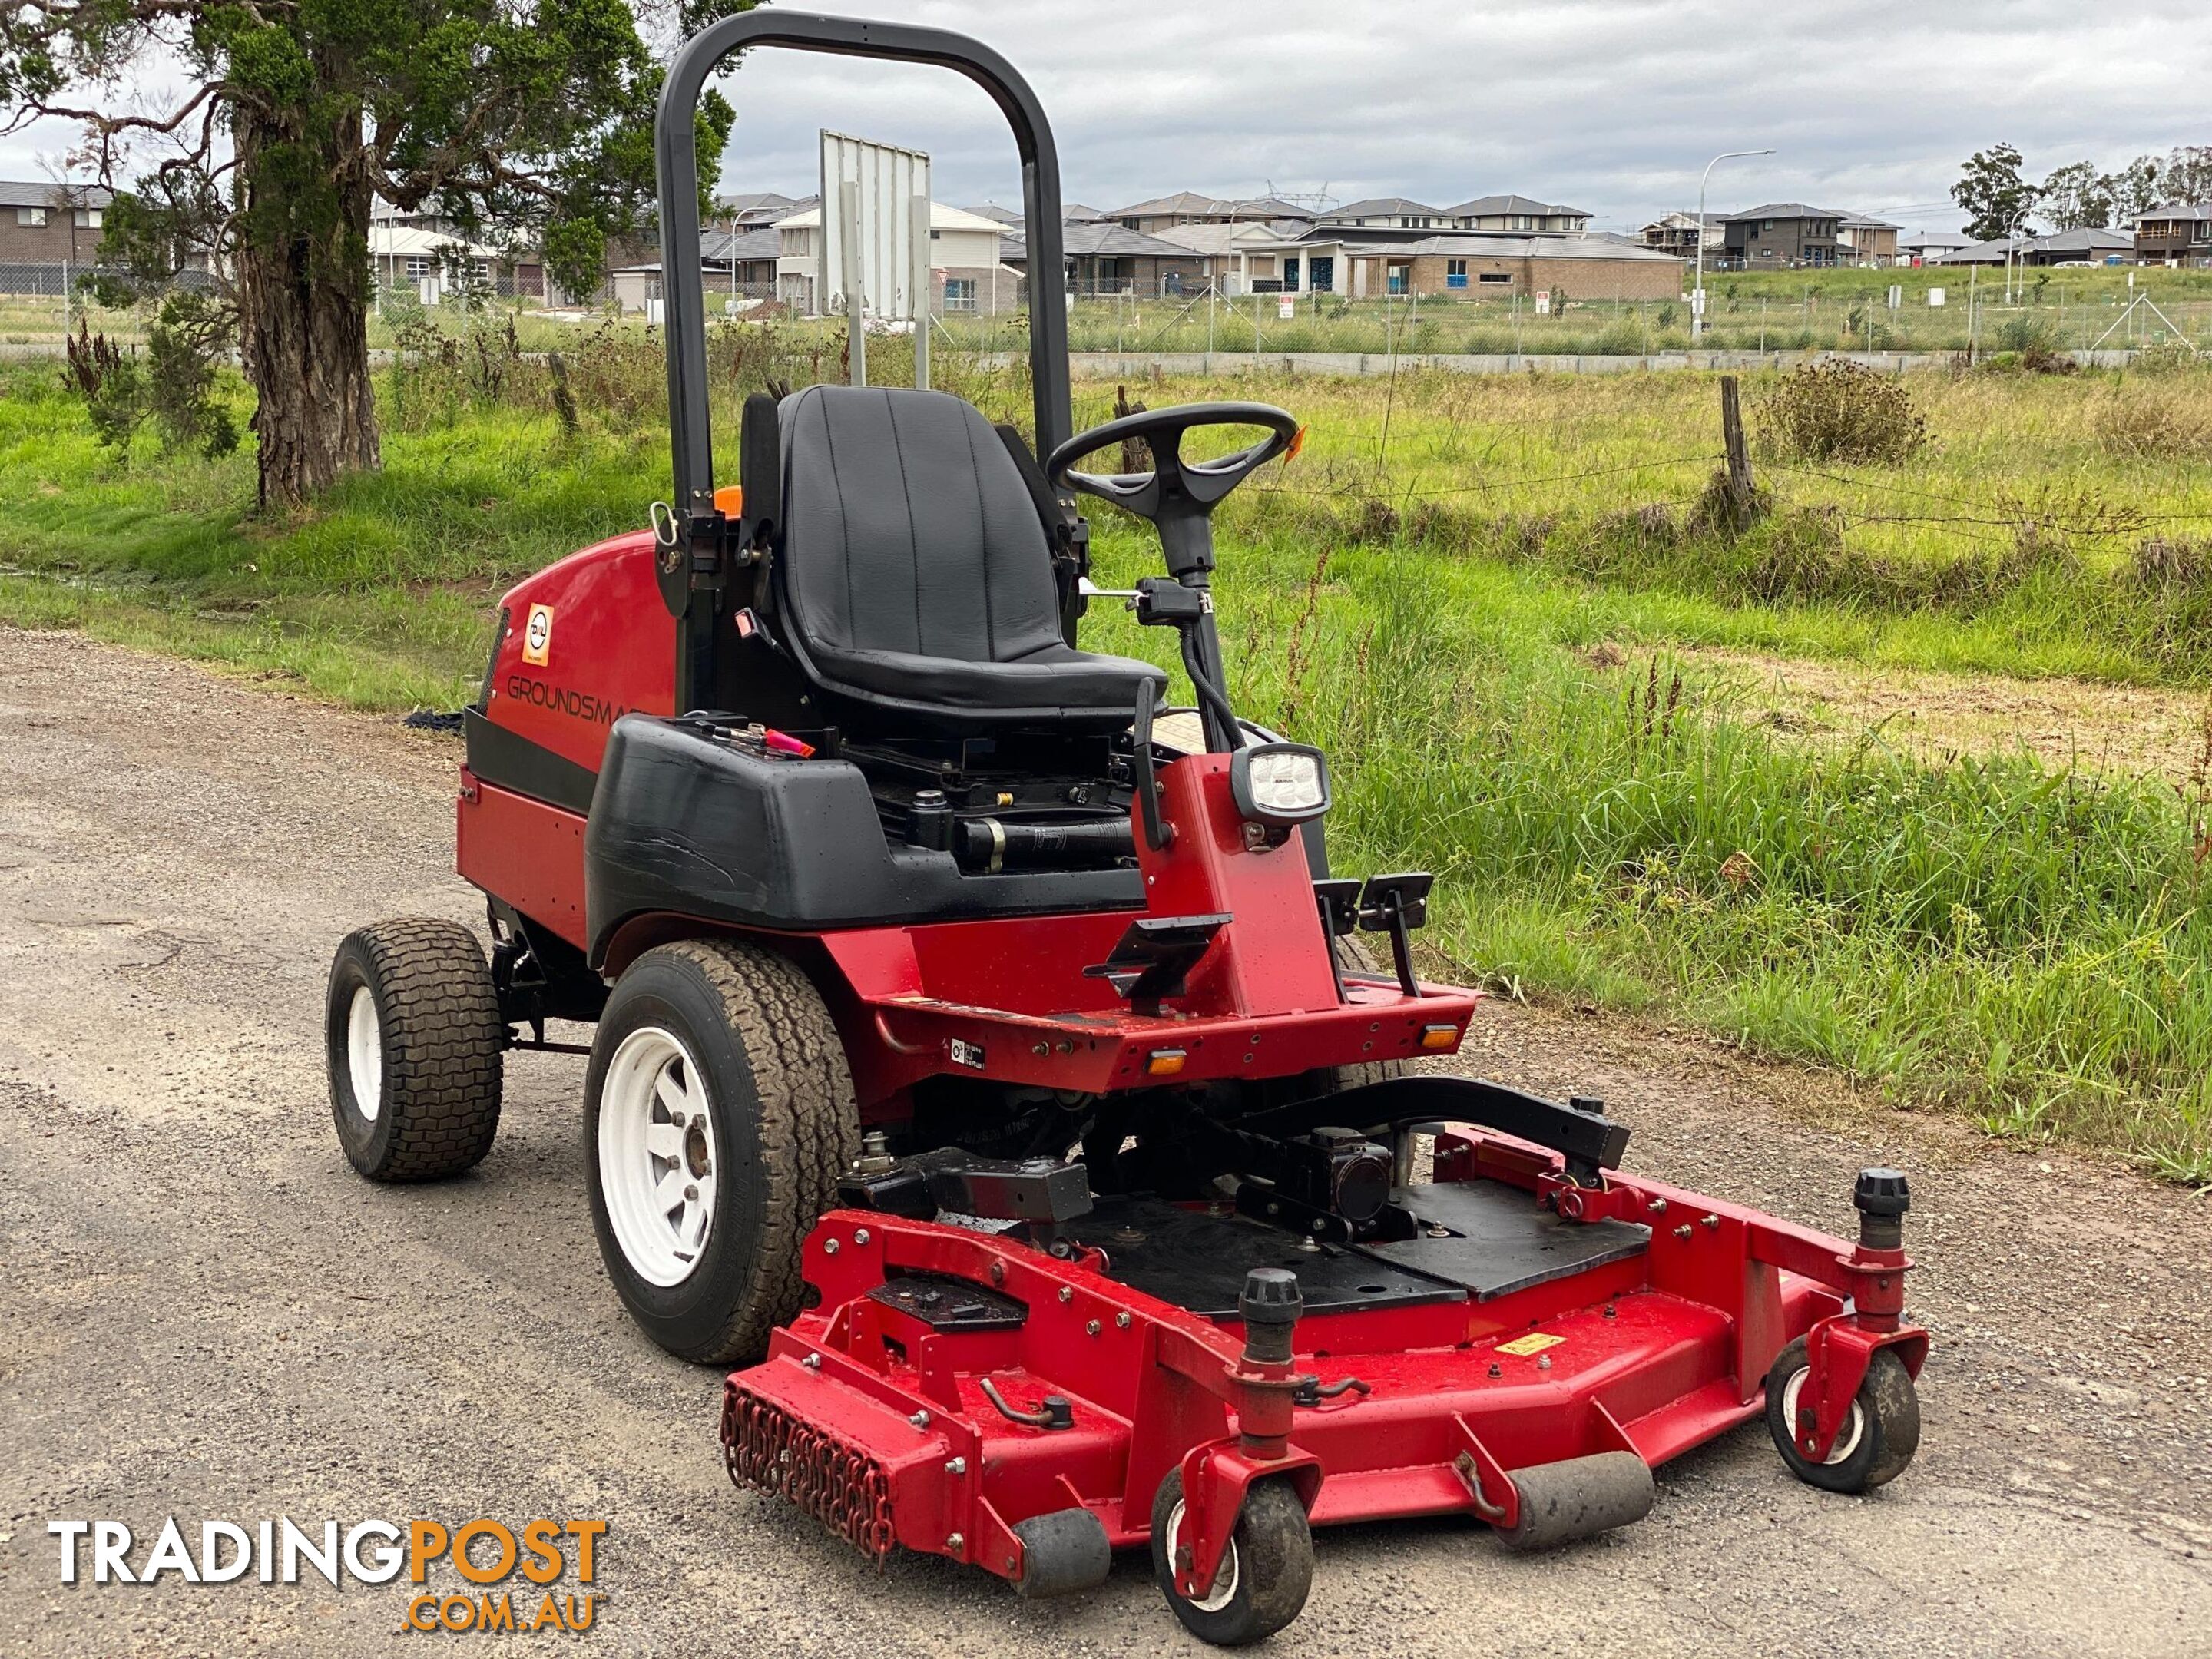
<point x="1265" y="1573"/>
<point x="1876" y="1442"/>
<point x="718" y="1116"/>
<point x="413" y="1038"/>
<point x="1353" y="957"/>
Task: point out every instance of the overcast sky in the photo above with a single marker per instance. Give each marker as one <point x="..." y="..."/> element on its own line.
<point x="1614" y="105"/>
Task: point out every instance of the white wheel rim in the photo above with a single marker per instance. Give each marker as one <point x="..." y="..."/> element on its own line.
<point x="1846" y="1442"/>
<point x="659" y="1164"/>
<point x="365" y="1054"/>
<point x="1224" y="1575"/>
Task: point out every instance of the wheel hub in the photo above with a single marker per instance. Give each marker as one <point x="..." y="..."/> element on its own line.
<point x="657" y="1164"/>
<point x="365" y="1052"/>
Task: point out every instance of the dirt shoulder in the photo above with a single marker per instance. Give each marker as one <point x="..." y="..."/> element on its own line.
<point x="2098" y="727"/>
<point x="205" y="1314"/>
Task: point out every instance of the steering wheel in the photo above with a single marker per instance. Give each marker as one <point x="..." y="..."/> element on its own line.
<point x="1177" y="496"/>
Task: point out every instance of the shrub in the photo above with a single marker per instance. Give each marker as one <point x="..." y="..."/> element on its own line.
<point x="112" y="383"/>
<point x="1835" y="410"/>
<point x="192" y="332"/>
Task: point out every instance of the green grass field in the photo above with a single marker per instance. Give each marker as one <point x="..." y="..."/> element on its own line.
<point x="1496" y="618"/>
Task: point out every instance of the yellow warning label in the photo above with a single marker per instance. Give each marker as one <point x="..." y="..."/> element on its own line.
<point x="1534" y="1342"/>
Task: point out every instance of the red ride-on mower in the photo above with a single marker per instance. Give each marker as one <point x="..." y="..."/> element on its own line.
<point x="988" y="1061"/>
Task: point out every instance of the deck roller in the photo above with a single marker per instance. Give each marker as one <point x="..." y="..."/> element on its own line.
<point x="1577" y="1498"/>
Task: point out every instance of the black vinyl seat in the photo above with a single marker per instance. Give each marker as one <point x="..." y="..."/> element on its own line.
<point x="914" y="573"/>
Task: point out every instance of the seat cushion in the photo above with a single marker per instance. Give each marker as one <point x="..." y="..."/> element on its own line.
<point x="915" y="571"/>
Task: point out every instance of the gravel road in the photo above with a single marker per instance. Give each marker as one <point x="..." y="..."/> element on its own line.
<point x="204" y="1313"/>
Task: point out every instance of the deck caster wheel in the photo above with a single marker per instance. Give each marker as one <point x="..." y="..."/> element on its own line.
<point x="718" y="1115"/>
<point x="1265" y="1572"/>
<point x="413" y="1037"/>
<point x="1876" y="1444"/>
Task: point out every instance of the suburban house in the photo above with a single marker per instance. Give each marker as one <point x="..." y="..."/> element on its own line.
<point x="2084" y="247"/>
<point x="1924" y="245"/>
<point x="1385" y="213"/>
<point x="49" y="224"/>
<point x="1105" y="259"/>
<point x="1516" y="213"/>
<point x="1187" y="208"/>
<point x="1864" y="242"/>
<point x="1285" y="256"/>
<point x="2179" y="234"/>
<point x="1678" y="234"/>
<point x="1780" y="234"/>
<point x="1582" y="267"/>
<point x="966" y="273"/>
<point x="736" y="268"/>
<point x="434" y="257"/>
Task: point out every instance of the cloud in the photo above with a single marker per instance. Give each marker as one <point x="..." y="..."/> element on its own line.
<point x="1613" y="106"/>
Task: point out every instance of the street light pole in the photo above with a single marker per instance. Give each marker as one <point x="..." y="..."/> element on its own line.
<point x="1698" y="304"/>
<point x="2012" y="235"/>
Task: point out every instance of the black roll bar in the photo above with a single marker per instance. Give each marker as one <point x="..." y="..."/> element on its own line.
<point x="675" y="143"/>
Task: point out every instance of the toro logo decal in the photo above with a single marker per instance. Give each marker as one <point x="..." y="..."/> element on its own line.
<point x="537" y="635"/>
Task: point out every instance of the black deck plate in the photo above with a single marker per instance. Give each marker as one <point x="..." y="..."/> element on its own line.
<point x="1198" y="1261"/>
<point x="1502" y="1242"/>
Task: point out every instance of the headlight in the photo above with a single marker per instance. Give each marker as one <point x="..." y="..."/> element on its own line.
<point x="1279" y="783"/>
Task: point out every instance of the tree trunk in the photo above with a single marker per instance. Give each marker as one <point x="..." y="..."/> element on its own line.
<point x="303" y="301"/>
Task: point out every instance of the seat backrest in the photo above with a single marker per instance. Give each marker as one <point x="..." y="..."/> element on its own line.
<point x="907" y="527"/>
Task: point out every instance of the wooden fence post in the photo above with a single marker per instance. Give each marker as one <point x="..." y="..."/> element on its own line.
<point x="1743" y="491"/>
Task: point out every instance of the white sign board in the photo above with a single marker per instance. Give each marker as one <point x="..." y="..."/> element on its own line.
<point x="1697" y="303"/>
<point x="1287" y="308"/>
<point x="1896" y="296"/>
<point x="875" y="229"/>
<point x="1935" y="296"/>
<point x="1543" y="302"/>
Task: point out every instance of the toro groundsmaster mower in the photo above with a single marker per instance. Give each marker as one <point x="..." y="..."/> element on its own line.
<point x="987" y="1060"/>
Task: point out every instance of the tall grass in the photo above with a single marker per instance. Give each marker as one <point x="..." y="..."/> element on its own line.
<point x="2023" y="945"/>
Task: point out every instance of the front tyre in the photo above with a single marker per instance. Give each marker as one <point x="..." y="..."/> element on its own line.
<point x="1265" y="1573"/>
<point x="1876" y="1441"/>
<point x="413" y="1038"/>
<point x="718" y="1116"/>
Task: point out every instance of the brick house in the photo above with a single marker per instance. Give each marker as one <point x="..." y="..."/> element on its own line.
<point x="2179" y="234"/>
<point x="1475" y="266"/>
<point x="1864" y="242"/>
<point x="1518" y="213"/>
<point x="1188" y="208"/>
<point x="49" y="224"/>
<point x="1780" y="235"/>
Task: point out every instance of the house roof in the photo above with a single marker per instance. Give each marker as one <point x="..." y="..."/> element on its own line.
<point x="1373" y="207"/>
<point x="46" y="192"/>
<point x="722" y="247"/>
<point x="2085" y="240"/>
<point x="941" y="217"/>
<point x="1466" y="243"/>
<point x="1213" y="207"/>
<point x="1212" y="239"/>
<point x="387" y="241"/>
<point x="1782" y="210"/>
<point x="1861" y="222"/>
<point x="1104" y="239"/>
<point x="996" y="214"/>
<point x="2166" y="211"/>
<point x="1075" y="213"/>
<point x="761" y="203"/>
<point x="1933" y="238"/>
<point x="1679" y="221"/>
<point x="1482" y="205"/>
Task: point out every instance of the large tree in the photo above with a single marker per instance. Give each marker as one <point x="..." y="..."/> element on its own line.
<point x="295" y="116"/>
<point x="2074" y="196"/>
<point x="1991" y="192"/>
